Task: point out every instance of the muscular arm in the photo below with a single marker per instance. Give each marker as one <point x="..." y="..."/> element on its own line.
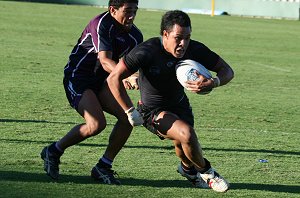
<point x="114" y="81"/>
<point x="105" y="58"/>
<point x="224" y="71"/>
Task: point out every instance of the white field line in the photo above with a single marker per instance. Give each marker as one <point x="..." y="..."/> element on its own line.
<point x="237" y="130"/>
<point x="270" y="66"/>
<point x="248" y="130"/>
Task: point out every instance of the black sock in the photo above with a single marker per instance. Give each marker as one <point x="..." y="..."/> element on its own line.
<point x="101" y="163"/>
<point x="207" y="166"/>
<point x="189" y="170"/>
<point x="54" y="150"/>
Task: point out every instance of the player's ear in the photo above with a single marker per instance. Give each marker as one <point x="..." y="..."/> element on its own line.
<point x="112" y="10"/>
<point x="165" y="33"/>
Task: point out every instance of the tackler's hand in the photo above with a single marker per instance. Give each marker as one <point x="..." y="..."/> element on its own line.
<point x="131" y="83"/>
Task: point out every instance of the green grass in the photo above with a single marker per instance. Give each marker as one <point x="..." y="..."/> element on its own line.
<point x="255" y="117"/>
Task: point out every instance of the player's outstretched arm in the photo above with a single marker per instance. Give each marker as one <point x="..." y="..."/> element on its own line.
<point x="115" y="84"/>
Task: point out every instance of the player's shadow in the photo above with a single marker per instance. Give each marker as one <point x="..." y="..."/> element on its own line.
<point x="267" y="187"/>
<point x="16" y="176"/>
<point x="168" y="147"/>
<point x="34" y="121"/>
<point x="137" y="146"/>
<point x="40" y="121"/>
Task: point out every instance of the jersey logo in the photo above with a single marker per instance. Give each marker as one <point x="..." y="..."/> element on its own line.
<point x="191" y="75"/>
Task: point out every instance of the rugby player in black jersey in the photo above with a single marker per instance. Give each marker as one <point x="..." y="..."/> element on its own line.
<point x="164" y="106"/>
<point x="106" y="38"/>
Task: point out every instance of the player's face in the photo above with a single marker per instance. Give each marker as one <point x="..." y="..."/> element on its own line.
<point x="177" y="40"/>
<point x="125" y="15"/>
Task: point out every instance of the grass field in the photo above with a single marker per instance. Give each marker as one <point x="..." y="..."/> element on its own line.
<point x="255" y="117"/>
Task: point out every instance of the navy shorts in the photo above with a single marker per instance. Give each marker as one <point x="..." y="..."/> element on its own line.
<point x="74" y="87"/>
<point x="183" y="110"/>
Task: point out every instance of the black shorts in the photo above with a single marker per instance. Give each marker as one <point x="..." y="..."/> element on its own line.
<point x="74" y="87"/>
<point x="183" y="110"/>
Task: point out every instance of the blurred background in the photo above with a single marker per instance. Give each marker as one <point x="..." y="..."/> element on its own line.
<point x="282" y="9"/>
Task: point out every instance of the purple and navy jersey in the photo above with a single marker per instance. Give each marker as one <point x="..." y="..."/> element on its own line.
<point x="103" y="33"/>
<point x="158" y="83"/>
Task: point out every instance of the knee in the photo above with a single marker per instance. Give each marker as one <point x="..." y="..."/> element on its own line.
<point x="187" y="135"/>
<point x="95" y="127"/>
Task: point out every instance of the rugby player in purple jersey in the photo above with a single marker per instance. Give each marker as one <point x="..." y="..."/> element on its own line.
<point x="106" y="38"/>
<point x="164" y="106"/>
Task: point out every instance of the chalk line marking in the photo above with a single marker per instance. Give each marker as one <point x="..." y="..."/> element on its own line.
<point x="270" y="66"/>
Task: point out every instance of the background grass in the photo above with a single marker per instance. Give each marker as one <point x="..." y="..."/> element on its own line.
<point x="255" y="117"/>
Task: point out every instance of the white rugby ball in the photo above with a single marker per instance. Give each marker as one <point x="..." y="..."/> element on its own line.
<point x="185" y="70"/>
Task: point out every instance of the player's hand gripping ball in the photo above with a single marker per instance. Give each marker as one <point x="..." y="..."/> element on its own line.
<point x="186" y="70"/>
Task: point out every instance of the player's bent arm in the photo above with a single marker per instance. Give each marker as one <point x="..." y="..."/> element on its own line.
<point x="105" y="58"/>
<point x="224" y="72"/>
<point x="114" y="81"/>
<point x="115" y="84"/>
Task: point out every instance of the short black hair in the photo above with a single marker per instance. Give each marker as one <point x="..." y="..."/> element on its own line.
<point x="119" y="3"/>
<point x="170" y="18"/>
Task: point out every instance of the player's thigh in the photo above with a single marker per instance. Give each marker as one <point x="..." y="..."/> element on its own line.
<point x="90" y="108"/>
<point x="109" y="103"/>
<point x="172" y="127"/>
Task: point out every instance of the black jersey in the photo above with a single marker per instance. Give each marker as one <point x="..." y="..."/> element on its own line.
<point x="103" y="33"/>
<point x="158" y="84"/>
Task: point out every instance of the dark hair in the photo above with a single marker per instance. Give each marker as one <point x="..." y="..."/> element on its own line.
<point x="170" y="18"/>
<point x="119" y="3"/>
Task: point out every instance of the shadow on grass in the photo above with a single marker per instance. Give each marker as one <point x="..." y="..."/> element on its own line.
<point x="139" y="146"/>
<point x="36" y="121"/>
<point x="40" y="121"/>
<point x="39" y="177"/>
<point x="162" y="147"/>
<point x="143" y="146"/>
<point x="43" y="178"/>
<point x="267" y="187"/>
<point x="171" y="147"/>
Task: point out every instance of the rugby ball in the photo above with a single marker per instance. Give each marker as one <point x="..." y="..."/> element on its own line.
<point x="185" y="70"/>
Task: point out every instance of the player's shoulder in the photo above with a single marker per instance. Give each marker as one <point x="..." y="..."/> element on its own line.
<point x="135" y="29"/>
<point x="196" y="44"/>
<point x="148" y="47"/>
<point x="197" y="47"/>
<point x="103" y="20"/>
<point x="105" y="16"/>
<point x="145" y="50"/>
<point x="153" y="43"/>
<point x="137" y="33"/>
